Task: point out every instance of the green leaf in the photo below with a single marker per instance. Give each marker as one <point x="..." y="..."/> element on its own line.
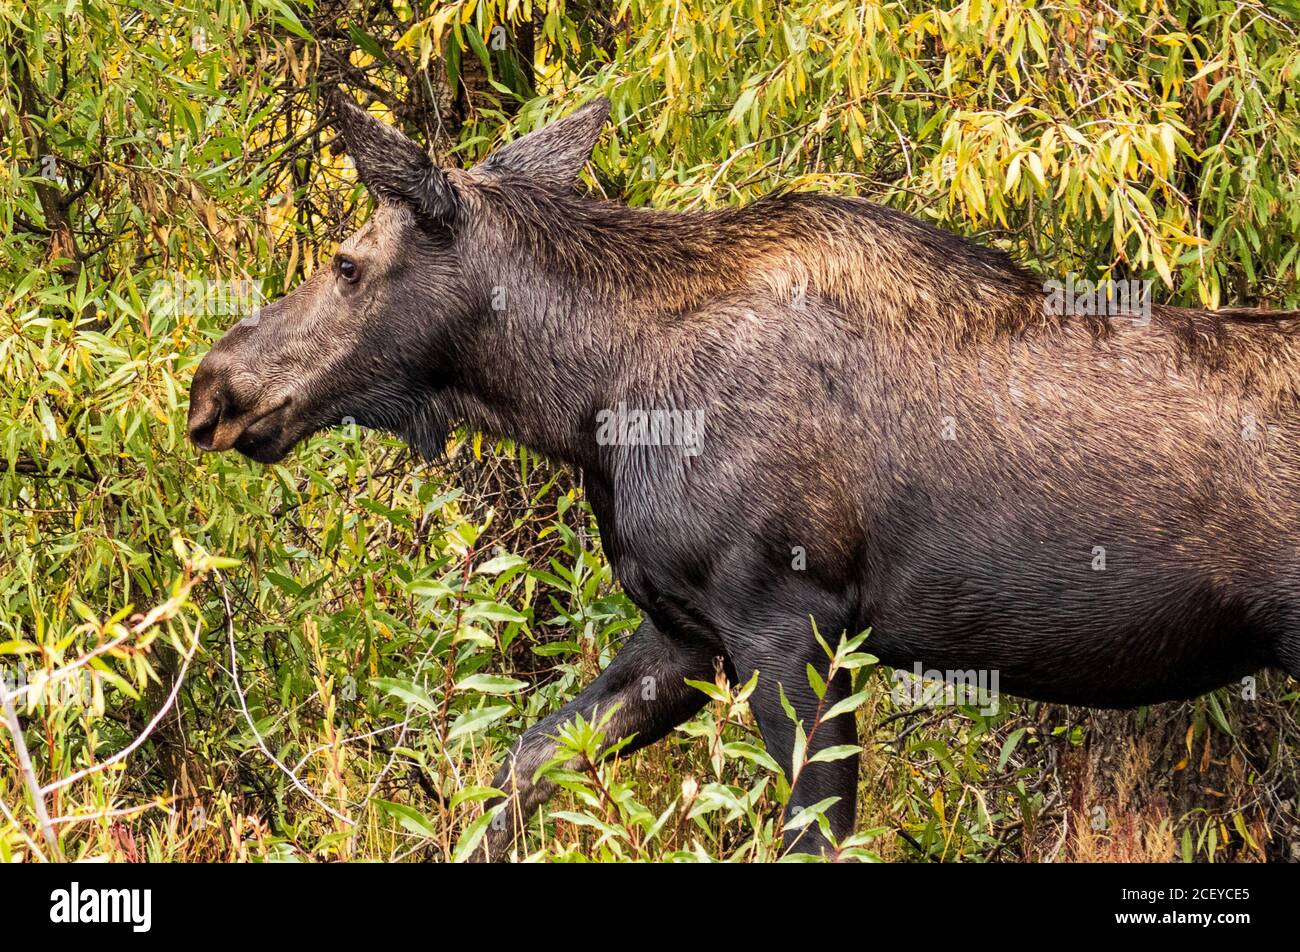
<point x="1009" y="747"/>
<point x="838" y="752"/>
<point x="471" y="722"/>
<point x="1217" y="715"/>
<point x="491" y="684"/>
<point x="816" y="683"/>
<point x="410" y="819"/>
<point x="847" y="705"/>
<point x="711" y="689"/>
<point x="809" y="814"/>
<point x="501" y="563"/>
<point x="751" y="752"/>
<point x="493" y="611"/>
<point x="406" y="691"/>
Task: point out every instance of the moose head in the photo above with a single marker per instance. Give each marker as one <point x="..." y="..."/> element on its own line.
<point x="378" y="335"/>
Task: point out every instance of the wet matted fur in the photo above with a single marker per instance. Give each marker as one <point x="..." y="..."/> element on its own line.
<point x="895" y="433"/>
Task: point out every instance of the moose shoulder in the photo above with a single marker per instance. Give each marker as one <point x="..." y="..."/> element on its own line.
<point x="808" y="408"/>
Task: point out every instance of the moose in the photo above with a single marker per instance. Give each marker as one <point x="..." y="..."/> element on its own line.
<point x="892" y="431"/>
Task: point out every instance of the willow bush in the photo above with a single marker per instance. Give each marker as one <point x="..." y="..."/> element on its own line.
<point x="326" y="658"/>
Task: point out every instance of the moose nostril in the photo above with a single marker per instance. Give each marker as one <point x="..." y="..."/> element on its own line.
<point x="209" y="405"/>
<point x="204" y="421"/>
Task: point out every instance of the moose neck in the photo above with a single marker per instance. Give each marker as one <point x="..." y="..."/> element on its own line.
<point x="538" y="375"/>
<point x="579" y="294"/>
<point x="574" y="291"/>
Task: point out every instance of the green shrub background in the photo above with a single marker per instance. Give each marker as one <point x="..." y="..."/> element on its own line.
<point x="361" y="635"/>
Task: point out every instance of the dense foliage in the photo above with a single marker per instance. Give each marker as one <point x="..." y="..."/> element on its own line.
<point x="208" y="659"/>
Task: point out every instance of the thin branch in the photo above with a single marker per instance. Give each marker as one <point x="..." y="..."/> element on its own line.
<point x="29" y="773"/>
<point x="13" y="820"/>
<point x="252" y="725"/>
<point x="154" y="721"/>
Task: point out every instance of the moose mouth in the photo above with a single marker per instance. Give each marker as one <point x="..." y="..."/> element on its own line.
<point x="266" y="440"/>
<point x="262" y="436"/>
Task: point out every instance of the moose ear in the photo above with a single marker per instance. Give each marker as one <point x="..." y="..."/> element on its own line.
<point x="392" y="166"/>
<point x="554" y="155"/>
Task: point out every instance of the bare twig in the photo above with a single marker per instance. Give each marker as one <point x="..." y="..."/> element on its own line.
<point x="252" y="725"/>
<point x="13" y="820"/>
<point x="29" y="773"/>
<point x="149" y="728"/>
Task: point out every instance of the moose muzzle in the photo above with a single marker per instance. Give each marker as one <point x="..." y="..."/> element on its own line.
<point x="221" y="417"/>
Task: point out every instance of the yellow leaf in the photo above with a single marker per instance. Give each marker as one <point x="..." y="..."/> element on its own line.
<point x="1239" y="823"/>
<point x="1013" y="171"/>
<point x="1036" y="170"/>
<point x="1074" y="135"/>
<point x="1162" y="266"/>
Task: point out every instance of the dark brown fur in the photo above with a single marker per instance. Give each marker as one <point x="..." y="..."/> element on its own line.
<point x="890" y="399"/>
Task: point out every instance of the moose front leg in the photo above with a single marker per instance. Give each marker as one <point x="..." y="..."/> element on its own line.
<point x="644" y="684"/>
<point x="782" y="663"/>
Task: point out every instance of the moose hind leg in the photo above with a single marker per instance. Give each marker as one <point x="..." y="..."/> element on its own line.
<point x="814" y="782"/>
<point x="644" y="684"/>
<point x="1288" y="653"/>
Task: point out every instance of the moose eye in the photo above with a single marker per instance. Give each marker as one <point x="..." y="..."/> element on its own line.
<point x="348" y="269"/>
